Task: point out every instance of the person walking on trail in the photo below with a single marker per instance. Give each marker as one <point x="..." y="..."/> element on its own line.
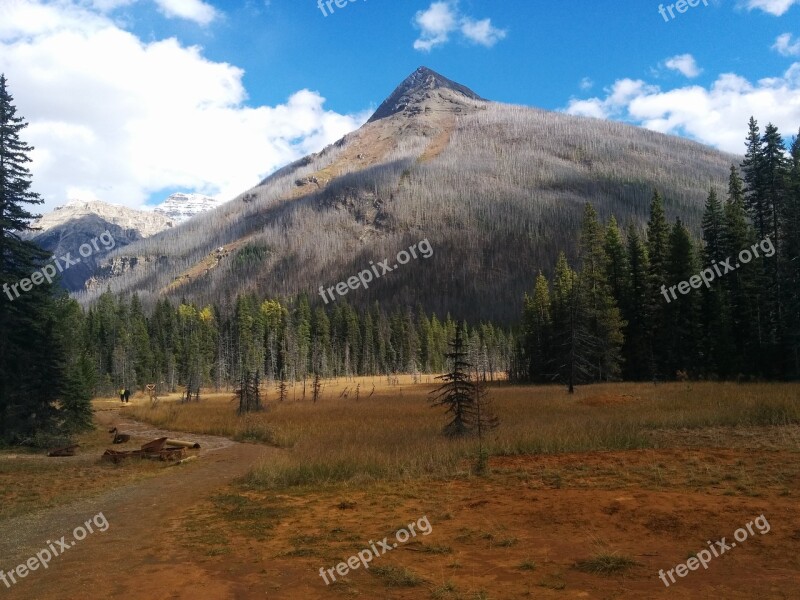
<point x="127" y="395"/>
<point x="122" y="394"/>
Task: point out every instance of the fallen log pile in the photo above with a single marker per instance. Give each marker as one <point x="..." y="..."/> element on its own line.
<point x="161" y="449"/>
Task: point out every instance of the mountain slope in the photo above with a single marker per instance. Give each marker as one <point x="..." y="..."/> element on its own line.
<point x="497" y="189"/>
<point x="67" y="227"/>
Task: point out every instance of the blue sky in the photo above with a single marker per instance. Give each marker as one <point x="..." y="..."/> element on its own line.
<point x="131" y="99"/>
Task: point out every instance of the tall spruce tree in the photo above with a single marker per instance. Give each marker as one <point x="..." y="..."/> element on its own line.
<point x="681" y="339"/>
<point x="739" y="285"/>
<point x="457" y="393"/>
<point x="537" y="323"/>
<point x="603" y="321"/>
<point x="791" y="263"/>
<point x="753" y="170"/>
<point x="715" y="341"/>
<point x="635" y="309"/>
<point x="658" y="232"/>
<point x="35" y="398"/>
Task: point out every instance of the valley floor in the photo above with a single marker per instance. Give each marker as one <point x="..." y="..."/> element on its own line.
<point x="586" y="497"/>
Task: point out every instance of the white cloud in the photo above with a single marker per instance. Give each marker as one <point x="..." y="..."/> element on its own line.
<point x="586" y="83"/>
<point x="118" y="118"/>
<point x="685" y="64"/>
<point x="436" y="23"/>
<point x="192" y="10"/>
<point x="481" y="32"/>
<point x="716" y="116"/>
<point x="784" y="46"/>
<point x="773" y="7"/>
<point x="441" y="19"/>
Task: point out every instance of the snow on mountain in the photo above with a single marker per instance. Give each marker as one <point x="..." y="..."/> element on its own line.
<point x="182" y="207"/>
<point x="146" y="223"/>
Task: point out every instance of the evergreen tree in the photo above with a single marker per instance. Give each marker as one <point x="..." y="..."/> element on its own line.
<point x="740" y="287"/>
<point x="36" y="401"/>
<point x="657" y="251"/>
<point x="791" y="263"/>
<point x="715" y="342"/>
<point x="616" y="262"/>
<point x="681" y="340"/>
<point x="637" y="348"/>
<point x="603" y="321"/>
<point x="753" y="170"/>
<point x="537" y="323"/>
<point x="458" y="391"/>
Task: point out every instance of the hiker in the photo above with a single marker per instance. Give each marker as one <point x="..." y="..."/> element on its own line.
<point x="127" y="395"/>
<point x="122" y="394"/>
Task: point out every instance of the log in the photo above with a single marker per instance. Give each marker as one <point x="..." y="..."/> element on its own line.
<point x="66" y="451"/>
<point x="183" y="444"/>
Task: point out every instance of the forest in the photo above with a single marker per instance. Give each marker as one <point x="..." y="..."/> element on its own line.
<point x="602" y="319"/>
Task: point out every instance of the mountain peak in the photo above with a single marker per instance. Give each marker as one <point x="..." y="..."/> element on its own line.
<point x="415" y="88"/>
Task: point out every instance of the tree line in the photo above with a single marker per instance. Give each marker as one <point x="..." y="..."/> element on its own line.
<point x="614" y="316"/>
<point x="213" y="346"/>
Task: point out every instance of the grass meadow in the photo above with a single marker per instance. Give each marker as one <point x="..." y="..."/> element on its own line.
<point x="396" y="434"/>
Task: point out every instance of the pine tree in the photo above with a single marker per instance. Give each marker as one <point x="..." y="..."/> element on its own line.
<point x="715" y="341"/>
<point x="741" y="289"/>
<point x="658" y="232"/>
<point x="681" y="340"/>
<point x="458" y="391"/>
<point x="753" y="170"/>
<point x="603" y="321"/>
<point x="35" y="399"/>
<point x="791" y="263"/>
<point x="775" y="179"/>
<point x="616" y="261"/>
<point x="637" y="348"/>
<point x="537" y="324"/>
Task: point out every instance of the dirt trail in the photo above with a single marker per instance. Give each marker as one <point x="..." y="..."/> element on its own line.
<point x="120" y="561"/>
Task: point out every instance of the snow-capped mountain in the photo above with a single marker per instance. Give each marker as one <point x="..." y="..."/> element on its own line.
<point x="182" y="207"/>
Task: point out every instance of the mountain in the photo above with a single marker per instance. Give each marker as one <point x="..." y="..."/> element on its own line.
<point x="67" y="227"/>
<point x="498" y="190"/>
<point x="182" y="207"/>
<point x="423" y="84"/>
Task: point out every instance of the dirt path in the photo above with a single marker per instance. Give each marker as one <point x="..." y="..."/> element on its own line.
<point x="139" y="515"/>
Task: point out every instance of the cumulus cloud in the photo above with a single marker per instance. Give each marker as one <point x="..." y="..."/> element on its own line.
<point x="773" y="7"/>
<point x="715" y="115"/>
<point x="684" y="64"/>
<point x="117" y="118"/>
<point x="192" y="10"/>
<point x="443" y="18"/>
<point x="783" y="45"/>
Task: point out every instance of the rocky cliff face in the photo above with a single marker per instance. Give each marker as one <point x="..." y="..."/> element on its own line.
<point x="78" y="222"/>
<point x="423" y="84"/>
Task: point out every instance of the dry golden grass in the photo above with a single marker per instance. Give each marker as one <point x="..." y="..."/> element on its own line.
<point x="395" y="434"/>
<point x="31" y="481"/>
